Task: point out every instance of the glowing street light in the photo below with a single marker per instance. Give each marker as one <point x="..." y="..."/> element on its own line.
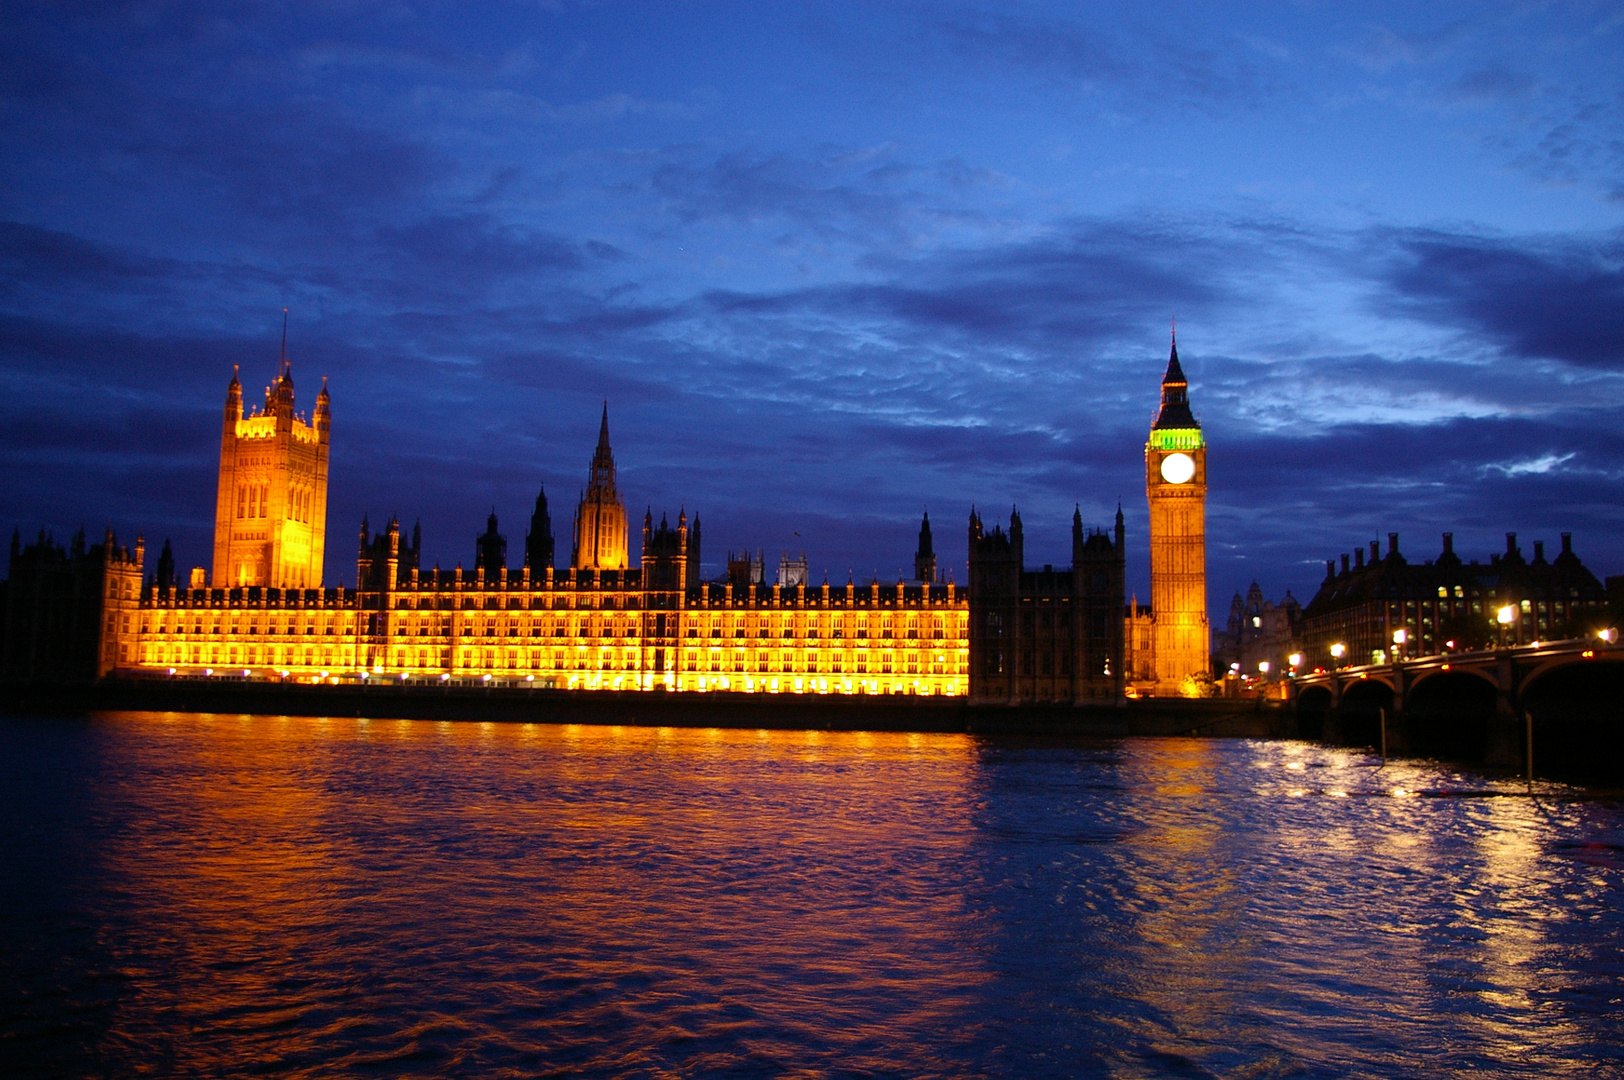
<point x="1263" y="666"/>
<point x="1505" y="617"/>
<point x="1295" y="660"/>
<point x="1338" y="651"/>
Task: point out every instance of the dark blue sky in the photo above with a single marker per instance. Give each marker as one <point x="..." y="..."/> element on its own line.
<point x="829" y="265"/>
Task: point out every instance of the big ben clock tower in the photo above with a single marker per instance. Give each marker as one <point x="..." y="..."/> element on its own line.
<point x="1176" y="488"/>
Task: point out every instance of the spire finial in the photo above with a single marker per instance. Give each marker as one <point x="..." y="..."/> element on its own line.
<point x="284" y="340"/>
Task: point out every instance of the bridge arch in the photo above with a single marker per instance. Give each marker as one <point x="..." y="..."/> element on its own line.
<point x="1575" y="705"/>
<point x="1314" y="704"/>
<point x="1363" y="702"/>
<point x="1451" y="714"/>
<point x="1478" y="670"/>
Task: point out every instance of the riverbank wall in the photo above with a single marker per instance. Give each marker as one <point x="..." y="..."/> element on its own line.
<point x="1143" y="717"/>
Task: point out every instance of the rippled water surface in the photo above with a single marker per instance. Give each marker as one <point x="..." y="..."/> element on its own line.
<point x="210" y="895"/>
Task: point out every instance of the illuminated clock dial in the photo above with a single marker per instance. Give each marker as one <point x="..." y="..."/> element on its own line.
<point x="1177" y="468"/>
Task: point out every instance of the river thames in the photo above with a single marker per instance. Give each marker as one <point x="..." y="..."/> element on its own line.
<point x="194" y="895"/>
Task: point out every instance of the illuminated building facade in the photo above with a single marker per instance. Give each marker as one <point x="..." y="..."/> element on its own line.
<point x="270" y="512"/>
<point x="599" y="624"/>
<point x="1176" y="489"/>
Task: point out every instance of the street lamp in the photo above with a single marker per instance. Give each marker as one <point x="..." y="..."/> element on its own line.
<point x="1505" y="617"/>
<point x="1296" y="661"/>
<point x="1400" y="636"/>
<point x="1337" y="652"/>
<point x="1263" y="667"/>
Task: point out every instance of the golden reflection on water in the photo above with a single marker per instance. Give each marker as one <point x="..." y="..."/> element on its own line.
<point x="1190" y="945"/>
<point x="663" y="873"/>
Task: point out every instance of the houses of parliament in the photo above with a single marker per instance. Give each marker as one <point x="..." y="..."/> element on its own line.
<point x="1011" y="634"/>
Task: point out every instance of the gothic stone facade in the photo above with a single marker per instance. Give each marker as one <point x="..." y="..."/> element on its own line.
<point x="1046" y="636"/>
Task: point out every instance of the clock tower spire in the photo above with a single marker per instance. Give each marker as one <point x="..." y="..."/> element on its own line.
<point x="1176" y="489"/>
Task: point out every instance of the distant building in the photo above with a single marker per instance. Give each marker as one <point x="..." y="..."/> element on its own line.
<point x="791" y="570"/>
<point x="1446" y="605"/>
<point x="744" y="569"/>
<point x="1259" y="632"/>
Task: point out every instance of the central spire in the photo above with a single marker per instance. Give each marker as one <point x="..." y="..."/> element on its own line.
<point x="600" y="520"/>
<point x="601" y="476"/>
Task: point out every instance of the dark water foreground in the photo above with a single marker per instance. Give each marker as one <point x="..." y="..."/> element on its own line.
<point x="193" y="895"/>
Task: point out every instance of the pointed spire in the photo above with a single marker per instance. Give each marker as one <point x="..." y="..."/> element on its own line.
<point x="284" y="367"/>
<point x="600" y="483"/>
<point x="1175" y="373"/>
<point x="1175" y="410"/>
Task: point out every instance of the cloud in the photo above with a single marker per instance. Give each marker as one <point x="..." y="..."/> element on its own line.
<point x="1385" y="48"/>
<point x="1491" y="84"/>
<point x="30" y="252"/>
<point x="1558" y="300"/>
<point x="1128" y="68"/>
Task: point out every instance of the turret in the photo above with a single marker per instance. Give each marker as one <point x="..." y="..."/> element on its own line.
<point x="166" y="567"/>
<point x="693" y="555"/>
<point x="392" y="572"/>
<point x="925" y="556"/>
<point x="490" y="549"/>
<point x="323" y="418"/>
<point x="233" y="402"/>
<point x="538" y="542"/>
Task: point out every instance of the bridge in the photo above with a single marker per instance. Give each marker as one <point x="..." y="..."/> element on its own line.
<point x="1560" y="703"/>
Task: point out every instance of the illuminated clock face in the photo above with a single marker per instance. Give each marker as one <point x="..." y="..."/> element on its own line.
<point x="1178" y="468"/>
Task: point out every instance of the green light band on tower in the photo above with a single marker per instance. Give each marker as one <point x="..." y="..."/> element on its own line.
<point x="1176" y="439"/>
